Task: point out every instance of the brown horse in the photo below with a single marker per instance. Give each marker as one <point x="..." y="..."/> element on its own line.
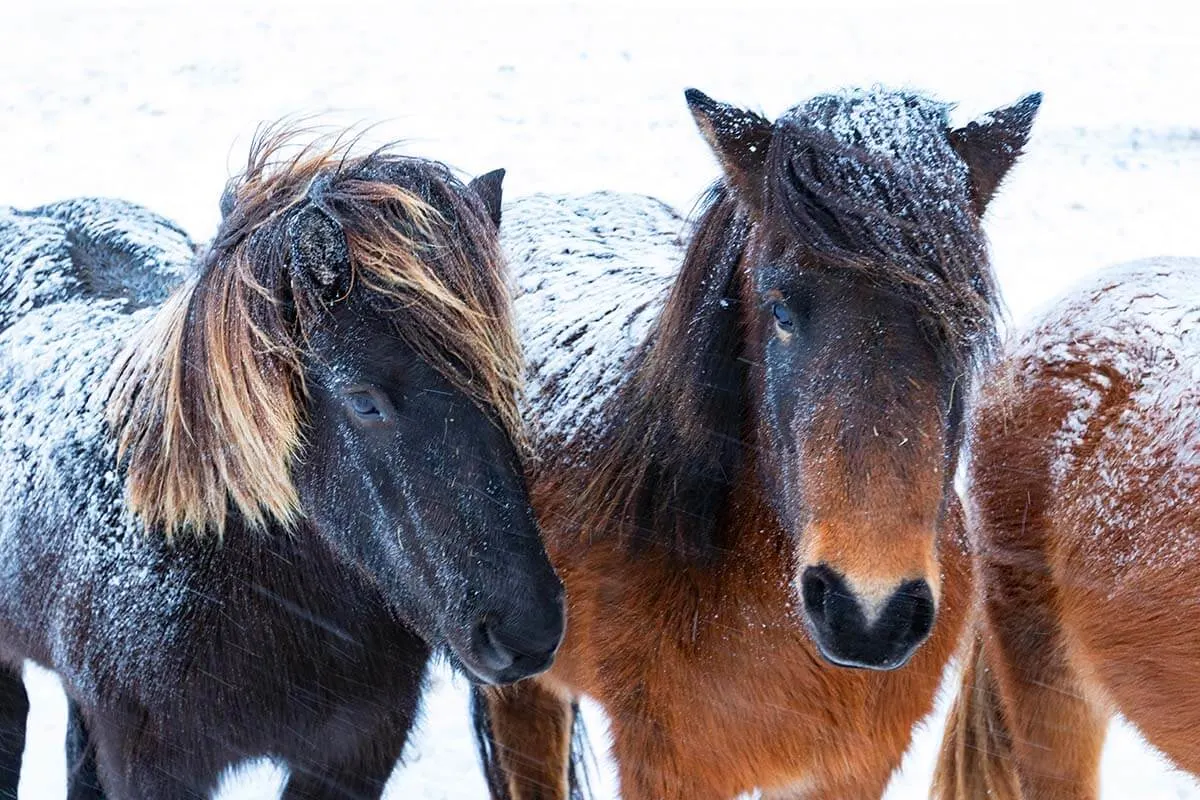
<point x="746" y="462"/>
<point x="1085" y="480"/>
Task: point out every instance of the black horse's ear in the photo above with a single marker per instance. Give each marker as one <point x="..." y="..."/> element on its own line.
<point x="739" y="138"/>
<point x="318" y="249"/>
<point x="992" y="144"/>
<point x="488" y="188"/>
<point x="229" y="198"/>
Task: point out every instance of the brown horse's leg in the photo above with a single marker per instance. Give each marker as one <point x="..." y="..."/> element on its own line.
<point x="531" y="733"/>
<point x="1056" y="732"/>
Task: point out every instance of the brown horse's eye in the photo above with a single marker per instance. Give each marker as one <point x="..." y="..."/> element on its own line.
<point x="783" y="316"/>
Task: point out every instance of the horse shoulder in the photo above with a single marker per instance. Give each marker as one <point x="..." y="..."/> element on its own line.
<point x="590" y="275"/>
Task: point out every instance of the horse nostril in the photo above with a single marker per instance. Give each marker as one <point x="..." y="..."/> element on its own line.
<point x="916" y="597"/>
<point x="815" y="586"/>
<point x="492" y="652"/>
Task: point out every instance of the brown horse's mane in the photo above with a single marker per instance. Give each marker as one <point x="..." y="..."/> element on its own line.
<point x="207" y="401"/>
<point x="672" y="438"/>
<point x="898" y="210"/>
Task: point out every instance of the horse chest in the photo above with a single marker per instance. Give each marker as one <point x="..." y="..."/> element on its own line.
<point x="727" y="667"/>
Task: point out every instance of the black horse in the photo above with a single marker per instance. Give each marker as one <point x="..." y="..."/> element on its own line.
<point x="240" y="521"/>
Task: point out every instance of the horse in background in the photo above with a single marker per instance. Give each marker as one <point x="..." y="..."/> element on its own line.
<point x="746" y="462"/>
<point x="1085" y="476"/>
<point x="239" y="522"/>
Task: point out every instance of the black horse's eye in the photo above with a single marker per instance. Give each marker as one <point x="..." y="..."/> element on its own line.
<point x="365" y="405"/>
<point x="783" y="316"/>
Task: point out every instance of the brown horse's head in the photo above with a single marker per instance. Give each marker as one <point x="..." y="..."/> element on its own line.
<point x="866" y="301"/>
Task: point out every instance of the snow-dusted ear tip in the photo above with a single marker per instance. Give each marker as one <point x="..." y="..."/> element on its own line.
<point x="1030" y="103"/>
<point x="739" y="139"/>
<point x="698" y="101"/>
<point x="991" y="144"/>
<point x="489" y="188"/>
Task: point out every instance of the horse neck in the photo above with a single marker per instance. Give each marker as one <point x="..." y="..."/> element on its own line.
<point x="275" y="573"/>
<point x="273" y="559"/>
<point x="658" y="474"/>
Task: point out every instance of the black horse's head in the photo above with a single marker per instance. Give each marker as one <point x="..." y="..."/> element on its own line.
<point x="345" y="366"/>
<point x="863" y="300"/>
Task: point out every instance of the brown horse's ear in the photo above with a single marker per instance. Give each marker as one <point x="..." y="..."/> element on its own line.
<point x="991" y="145"/>
<point x="738" y="137"/>
<point x="488" y="188"/>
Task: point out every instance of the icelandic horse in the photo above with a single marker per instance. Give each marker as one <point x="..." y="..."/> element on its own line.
<point x="1085" y="495"/>
<point x="238" y="518"/>
<point x="745" y="448"/>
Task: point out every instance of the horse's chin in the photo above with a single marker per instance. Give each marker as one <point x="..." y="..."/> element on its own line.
<point x="478" y="675"/>
<point x="887" y="665"/>
<point x="456" y="664"/>
<point x="478" y="657"/>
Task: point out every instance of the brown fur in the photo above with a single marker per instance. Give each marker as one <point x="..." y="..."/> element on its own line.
<point x="724" y="691"/>
<point x="221" y="362"/>
<point x="976" y="750"/>
<point x="682" y="521"/>
<point x="539" y="720"/>
<point x="1082" y="614"/>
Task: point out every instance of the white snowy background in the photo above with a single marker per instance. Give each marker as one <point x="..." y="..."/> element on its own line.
<point x="156" y="104"/>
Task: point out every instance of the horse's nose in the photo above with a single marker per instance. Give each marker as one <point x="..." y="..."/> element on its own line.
<point x="850" y="635"/>
<point x="511" y="648"/>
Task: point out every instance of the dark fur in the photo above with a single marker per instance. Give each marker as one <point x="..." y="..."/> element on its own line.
<point x="303" y="639"/>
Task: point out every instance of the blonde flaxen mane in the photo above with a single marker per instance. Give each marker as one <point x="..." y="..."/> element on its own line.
<point x="208" y="400"/>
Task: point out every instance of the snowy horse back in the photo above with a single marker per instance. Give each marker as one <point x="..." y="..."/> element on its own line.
<point x="591" y="273"/>
<point x="88" y="247"/>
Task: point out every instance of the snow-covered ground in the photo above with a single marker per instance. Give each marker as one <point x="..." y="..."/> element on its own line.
<point x="156" y="105"/>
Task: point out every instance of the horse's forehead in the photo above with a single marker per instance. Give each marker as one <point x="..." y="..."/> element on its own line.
<point x="878" y="120"/>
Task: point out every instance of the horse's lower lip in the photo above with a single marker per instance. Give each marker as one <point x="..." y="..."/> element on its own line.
<point x="889" y="664"/>
<point x="482" y="664"/>
<point x="490" y="676"/>
<point x="885" y="666"/>
<point x="495" y="652"/>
